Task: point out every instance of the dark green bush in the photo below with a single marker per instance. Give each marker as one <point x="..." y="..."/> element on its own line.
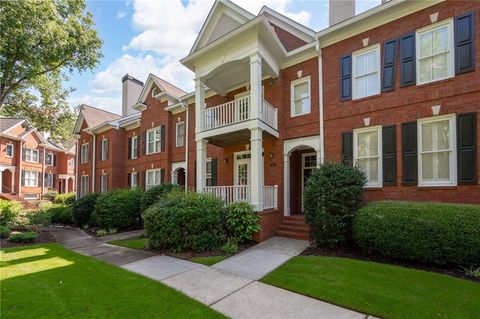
<point x="50" y="196"/>
<point x="26" y="237"/>
<point x="65" y="199"/>
<point x="438" y="233"/>
<point x="154" y="194"/>
<point x="332" y="196"/>
<point x="40" y="217"/>
<point x="230" y="247"/>
<point x="4" y="232"/>
<point x="83" y="208"/>
<point x="60" y="214"/>
<point x="9" y="211"/>
<point x="184" y="221"/>
<point x="241" y="221"/>
<point x="118" y="209"/>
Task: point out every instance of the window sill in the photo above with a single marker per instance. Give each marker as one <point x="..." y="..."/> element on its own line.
<point x="427" y="84"/>
<point x="366" y="98"/>
<point x="436" y="187"/>
<point x="372" y="188"/>
<point x="153" y="153"/>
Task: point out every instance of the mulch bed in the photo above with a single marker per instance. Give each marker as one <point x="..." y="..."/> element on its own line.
<point x="355" y="253"/>
<point x="44" y="237"/>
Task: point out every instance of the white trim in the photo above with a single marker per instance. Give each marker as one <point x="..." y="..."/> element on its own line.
<point x="32" y="150"/>
<point x="450" y="45"/>
<point x="377" y="129"/>
<point x="355" y="54"/>
<point x="147" y="142"/>
<point x="153" y="170"/>
<point x="133" y="153"/>
<point x="103" y="183"/>
<point x="82" y="185"/>
<point x="86" y="159"/>
<point x="104" y="150"/>
<point x="453" y="150"/>
<point x="292" y="95"/>
<point x="131" y="179"/>
<point x="176" y="134"/>
<point x="11" y="148"/>
<point x="30" y="178"/>
<point x="236" y="161"/>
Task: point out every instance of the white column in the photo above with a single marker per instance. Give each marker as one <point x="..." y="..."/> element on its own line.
<point x="319" y="158"/>
<point x="20" y="167"/>
<point x="201" y="164"/>
<point x="199" y="105"/>
<point x="286" y="185"/>
<point x="256" y="175"/>
<point x="255" y="85"/>
<point x="66" y="184"/>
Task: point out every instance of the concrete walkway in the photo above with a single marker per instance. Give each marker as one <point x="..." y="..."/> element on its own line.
<point x="229" y="287"/>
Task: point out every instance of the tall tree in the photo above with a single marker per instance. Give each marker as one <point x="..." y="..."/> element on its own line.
<point x="41" y="41"/>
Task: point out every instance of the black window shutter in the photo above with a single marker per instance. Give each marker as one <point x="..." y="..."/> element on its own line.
<point x="107" y="149"/>
<point x="40" y="156"/>
<point x="409" y="149"/>
<point x="407" y="60"/>
<point x="54" y="160"/>
<point x="144" y="143"/>
<point x="464" y="43"/>
<point x="389" y="65"/>
<point x="347" y="148"/>
<point x="162" y="138"/>
<point x="54" y="179"/>
<point x="139" y="140"/>
<point x="389" y="147"/>
<point x="129" y="179"/>
<point x="23" y="177"/>
<point x="195" y="175"/>
<point x="129" y="154"/>
<point x="139" y="179"/>
<point x="346" y="77"/>
<point x="162" y="176"/>
<point x="467" y="148"/>
<point x="40" y="180"/>
<point x="145" y="180"/>
<point x="214" y="172"/>
<point x="23" y="154"/>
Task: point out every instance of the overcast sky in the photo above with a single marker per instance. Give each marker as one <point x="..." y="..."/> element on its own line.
<point x="150" y="36"/>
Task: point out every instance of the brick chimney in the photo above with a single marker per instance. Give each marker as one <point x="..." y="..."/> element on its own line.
<point x="340" y="10"/>
<point x="131" y="89"/>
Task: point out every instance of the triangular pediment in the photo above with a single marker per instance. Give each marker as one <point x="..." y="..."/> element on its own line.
<point x="224" y="17"/>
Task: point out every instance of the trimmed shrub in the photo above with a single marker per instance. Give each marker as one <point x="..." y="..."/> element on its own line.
<point x="65" y="199"/>
<point x="331" y="198"/>
<point x="154" y="194"/>
<point x="83" y="208"/>
<point x="26" y="237"/>
<point x="9" y="211"/>
<point x="102" y="232"/>
<point x="4" y="232"/>
<point x="40" y="217"/>
<point x="230" y="247"/>
<point x="241" y="221"/>
<point x="184" y="221"/>
<point x="118" y="209"/>
<point x="437" y="233"/>
<point x="60" y="214"/>
<point x="50" y="196"/>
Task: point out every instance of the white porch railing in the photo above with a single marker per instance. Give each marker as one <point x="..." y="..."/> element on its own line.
<point x="237" y="111"/>
<point x="242" y="193"/>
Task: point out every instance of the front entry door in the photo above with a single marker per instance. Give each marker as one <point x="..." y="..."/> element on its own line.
<point x="309" y="163"/>
<point x="242" y="175"/>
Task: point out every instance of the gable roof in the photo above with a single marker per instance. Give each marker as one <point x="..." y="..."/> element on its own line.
<point x="7" y="123"/>
<point x="93" y="117"/>
<point x="164" y="86"/>
<point x="227" y="15"/>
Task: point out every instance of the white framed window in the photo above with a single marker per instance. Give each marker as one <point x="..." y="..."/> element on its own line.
<point x="31" y="178"/>
<point x="180" y="134"/>
<point x="153" y="178"/>
<point x="48" y="180"/>
<point x="437" y="155"/>
<point x="9" y="150"/>
<point x="71" y="163"/>
<point x="49" y="159"/>
<point x="300" y="96"/>
<point x="103" y="183"/>
<point x="104" y="149"/>
<point x="84" y="180"/>
<point x="134" y="147"/>
<point x="435" y="52"/>
<point x="153" y="140"/>
<point x="366" y="72"/>
<point x="367" y="154"/>
<point x="133" y="179"/>
<point x="208" y="172"/>
<point x="84" y="153"/>
<point x="31" y="155"/>
<point x="30" y="196"/>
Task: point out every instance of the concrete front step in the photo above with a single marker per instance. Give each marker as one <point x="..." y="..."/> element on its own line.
<point x="294" y="227"/>
<point x="292" y="234"/>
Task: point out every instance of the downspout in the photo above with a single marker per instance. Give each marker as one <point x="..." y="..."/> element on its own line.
<point x="187" y="119"/>
<point x="20" y="161"/>
<point x="77" y="180"/>
<point x="320" y="99"/>
<point x="43" y="171"/>
<point x="94" y="156"/>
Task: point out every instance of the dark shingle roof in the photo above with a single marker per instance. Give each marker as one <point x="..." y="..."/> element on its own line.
<point x="8" y="122"/>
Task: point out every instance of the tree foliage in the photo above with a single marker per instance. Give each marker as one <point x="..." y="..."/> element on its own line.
<point x="41" y="41"/>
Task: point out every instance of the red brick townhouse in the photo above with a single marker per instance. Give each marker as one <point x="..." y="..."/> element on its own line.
<point x="273" y="99"/>
<point x="31" y="165"/>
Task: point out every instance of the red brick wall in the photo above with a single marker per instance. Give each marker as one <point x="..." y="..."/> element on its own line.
<point x="457" y="95"/>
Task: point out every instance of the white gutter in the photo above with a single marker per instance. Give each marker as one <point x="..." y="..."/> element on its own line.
<point x="320" y="102"/>
<point x="20" y="168"/>
<point x="77" y="159"/>
<point x="187" y="116"/>
<point x="94" y="144"/>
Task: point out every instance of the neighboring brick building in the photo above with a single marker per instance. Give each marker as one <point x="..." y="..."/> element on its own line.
<point x="30" y="164"/>
<point x="274" y="103"/>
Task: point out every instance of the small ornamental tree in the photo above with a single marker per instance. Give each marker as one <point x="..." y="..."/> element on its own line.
<point x="331" y="199"/>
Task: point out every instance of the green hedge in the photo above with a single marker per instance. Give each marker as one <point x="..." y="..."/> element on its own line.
<point x="65" y="199"/>
<point x="437" y="233"/>
<point x="241" y="221"/>
<point x="60" y="214"/>
<point x="185" y="221"/>
<point x="9" y="212"/>
<point x="154" y="194"/>
<point x="83" y="208"/>
<point x="119" y="209"/>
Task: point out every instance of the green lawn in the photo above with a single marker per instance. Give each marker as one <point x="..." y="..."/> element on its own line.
<point x="379" y="289"/>
<point x="208" y="260"/>
<point x="49" y="281"/>
<point x="135" y="243"/>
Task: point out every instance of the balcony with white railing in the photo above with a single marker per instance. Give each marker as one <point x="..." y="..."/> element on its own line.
<point x="238" y="111"/>
<point x="242" y="193"/>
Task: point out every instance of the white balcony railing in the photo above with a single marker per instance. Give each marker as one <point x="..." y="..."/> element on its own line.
<point x="242" y="193"/>
<point x="237" y="111"/>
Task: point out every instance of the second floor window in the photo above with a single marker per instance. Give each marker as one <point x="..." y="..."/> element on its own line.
<point x="300" y="91"/>
<point x="51" y="160"/>
<point x="31" y="155"/>
<point x="180" y="134"/>
<point x="9" y="150"/>
<point x="30" y="178"/>
<point x="104" y="149"/>
<point x="154" y="140"/>
<point x="71" y="163"/>
<point x="84" y="153"/>
<point x="49" y="180"/>
<point x="366" y="72"/>
<point x="134" y="147"/>
<point x="435" y="52"/>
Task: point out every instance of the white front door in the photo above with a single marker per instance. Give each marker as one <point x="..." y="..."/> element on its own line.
<point x="242" y="175"/>
<point x="309" y="163"/>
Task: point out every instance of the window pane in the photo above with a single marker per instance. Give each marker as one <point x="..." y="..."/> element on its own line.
<point x="439" y="40"/>
<point x="426" y="70"/>
<point x="426" y="45"/>
<point x="150" y="178"/>
<point x="440" y="66"/>
<point x="360" y="64"/>
<point x="370" y="167"/>
<point x="443" y="159"/>
<point x="372" y="84"/>
<point x="427" y="167"/>
<point x="371" y="60"/>
<point x="367" y="144"/>
<point x="436" y="136"/>
<point x="300" y="90"/>
<point x="361" y="87"/>
<point x="302" y="106"/>
<point x="150" y="136"/>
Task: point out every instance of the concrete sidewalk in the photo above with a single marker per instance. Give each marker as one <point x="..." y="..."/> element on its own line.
<point x="229" y="287"/>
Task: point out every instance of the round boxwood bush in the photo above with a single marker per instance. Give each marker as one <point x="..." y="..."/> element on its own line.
<point x="184" y="221"/>
<point x="60" y="214"/>
<point x="119" y="209"/>
<point x="26" y="237"/>
<point x="83" y="208"/>
<point x="436" y="233"/>
<point x="332" y="196"/>
<point x="241" y="221"/>
<point x="155" y="193"/>
<point x="65" y="199"/>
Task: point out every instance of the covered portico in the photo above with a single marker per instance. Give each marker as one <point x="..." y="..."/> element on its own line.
<point x="7" y="178"/>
